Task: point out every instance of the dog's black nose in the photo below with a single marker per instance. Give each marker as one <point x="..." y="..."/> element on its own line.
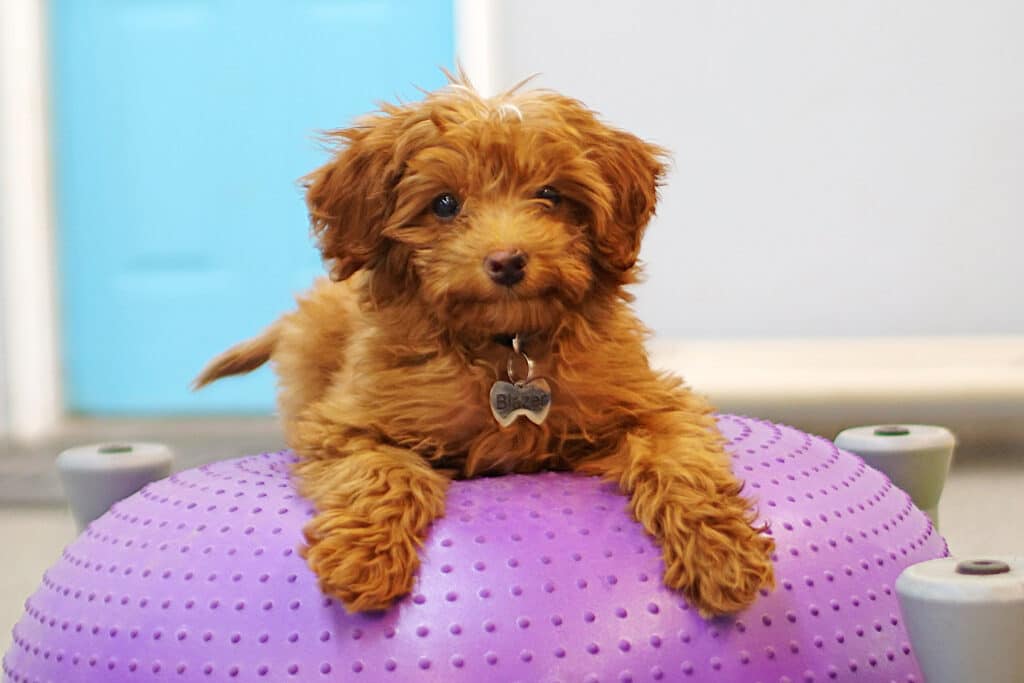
<point x="506" y="267"/>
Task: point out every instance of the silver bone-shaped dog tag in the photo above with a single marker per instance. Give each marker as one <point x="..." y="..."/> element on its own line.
<point x="509" y="401"/>
<point x="530" y="397"/>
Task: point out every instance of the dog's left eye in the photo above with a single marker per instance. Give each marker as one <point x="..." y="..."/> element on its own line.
<point x="549" y="194"/>
<point x="445" y="206"/>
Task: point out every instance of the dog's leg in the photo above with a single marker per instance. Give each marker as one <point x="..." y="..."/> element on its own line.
<point x="682" y="491"/>
<point x="375" y="504"/>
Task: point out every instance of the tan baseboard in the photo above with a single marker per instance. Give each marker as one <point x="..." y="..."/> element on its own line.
<point x="973" y="385"/>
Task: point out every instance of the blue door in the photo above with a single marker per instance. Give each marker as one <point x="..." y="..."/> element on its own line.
<point x="181" y="128"/>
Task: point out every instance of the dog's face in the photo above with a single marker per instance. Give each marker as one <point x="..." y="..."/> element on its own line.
<point x="501" y="214"/>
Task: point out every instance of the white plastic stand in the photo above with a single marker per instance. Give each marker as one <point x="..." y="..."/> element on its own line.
<point x="97" y="476"/>
<point x="966" y="618"/>
<point x="915" y="457"/>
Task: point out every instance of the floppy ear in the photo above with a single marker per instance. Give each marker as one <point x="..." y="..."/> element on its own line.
<point x="633" y="170"/>
<point x="350" y="197"/>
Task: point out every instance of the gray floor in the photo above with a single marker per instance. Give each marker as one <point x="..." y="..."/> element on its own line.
<point x="28" y="477"/>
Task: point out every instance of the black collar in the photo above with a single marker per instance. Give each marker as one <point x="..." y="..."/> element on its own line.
<point x="503" y="339"/>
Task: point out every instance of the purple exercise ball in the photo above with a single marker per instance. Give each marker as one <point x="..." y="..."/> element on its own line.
<point x="527" y="578"/>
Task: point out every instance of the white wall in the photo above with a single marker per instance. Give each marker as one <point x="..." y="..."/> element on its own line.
<point x="841" y="168"/>
<point x="30" y="375"/>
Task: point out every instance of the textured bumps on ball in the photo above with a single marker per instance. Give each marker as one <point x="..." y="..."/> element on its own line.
<point x="532" y="578"/>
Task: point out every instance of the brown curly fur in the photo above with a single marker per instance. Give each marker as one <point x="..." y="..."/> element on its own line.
<point x="385" y="370"/>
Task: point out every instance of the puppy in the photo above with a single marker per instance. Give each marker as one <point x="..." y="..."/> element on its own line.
<point x="477" y="322"/>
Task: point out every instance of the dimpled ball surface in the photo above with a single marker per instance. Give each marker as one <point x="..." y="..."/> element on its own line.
<point x="527" y="578"/>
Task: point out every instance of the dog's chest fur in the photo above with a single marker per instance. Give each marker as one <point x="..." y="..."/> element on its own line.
<point x="436" y="402"/>
<point x="350" y="371"/>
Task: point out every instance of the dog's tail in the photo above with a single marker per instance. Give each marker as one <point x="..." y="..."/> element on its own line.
<point x="241" y="358"/>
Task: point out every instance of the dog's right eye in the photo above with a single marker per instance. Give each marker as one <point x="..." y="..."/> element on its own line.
<point x="550" y="195"/>
<point x="446" y="206"/>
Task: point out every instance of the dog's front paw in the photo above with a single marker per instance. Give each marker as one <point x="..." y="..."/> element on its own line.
<point x="366" y="566"/>
<point x="720" y="566"/>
